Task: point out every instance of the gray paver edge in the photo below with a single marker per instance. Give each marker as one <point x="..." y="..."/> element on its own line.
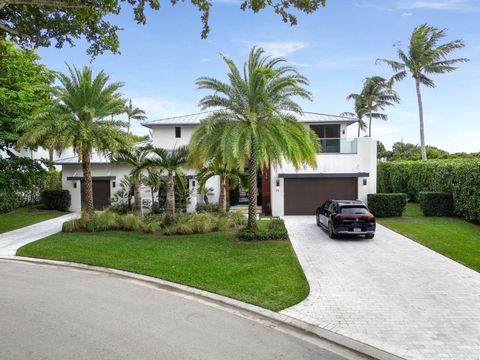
<point x="227" y="304"/>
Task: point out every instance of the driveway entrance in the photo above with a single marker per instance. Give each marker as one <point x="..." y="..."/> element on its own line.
<point x="389" y="292"/>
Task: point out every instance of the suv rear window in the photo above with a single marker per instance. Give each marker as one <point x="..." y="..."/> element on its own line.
<point x="352" y="210"/>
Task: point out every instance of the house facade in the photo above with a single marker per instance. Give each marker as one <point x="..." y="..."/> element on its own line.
<point x="346" y="169"/>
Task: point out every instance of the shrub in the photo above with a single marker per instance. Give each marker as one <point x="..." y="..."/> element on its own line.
<point x="275" y="230"/>
<point x="56" y="199"/>
<point x="105" y="221"/>
<point x="385" y="205"/>
<point x="236" y="219"/>
<point x="74" y="225"/>
<point x="150" y="227"/>
<point x="129" y="222"/>
<point x="210" y="207"/>
<point x="435" y="203"/>
<point x="199" y="223"/>
<point x="460" y="177"/>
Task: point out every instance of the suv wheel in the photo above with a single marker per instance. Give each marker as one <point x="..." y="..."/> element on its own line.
<point x="331" y="233"/>
<point x="318" y="220"/>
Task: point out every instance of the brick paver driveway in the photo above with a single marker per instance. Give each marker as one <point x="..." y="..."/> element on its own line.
<point x="389" y="292"/>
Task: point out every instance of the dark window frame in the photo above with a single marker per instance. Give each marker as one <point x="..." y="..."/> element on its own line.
<point x="178" y="132"/>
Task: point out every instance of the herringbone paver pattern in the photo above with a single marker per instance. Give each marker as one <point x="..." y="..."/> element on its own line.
<point x="389" y="292"/>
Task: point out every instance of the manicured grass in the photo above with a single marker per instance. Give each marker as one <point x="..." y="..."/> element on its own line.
<point x="26" y="216"/>
<point x="263" y="273"/>
<point x="450" y="236"/>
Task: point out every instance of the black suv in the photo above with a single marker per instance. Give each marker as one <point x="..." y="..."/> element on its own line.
<point x="346" y="217"/>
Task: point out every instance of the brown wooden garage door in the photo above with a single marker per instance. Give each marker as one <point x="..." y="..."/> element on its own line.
<point x="304" y="195"/>
<point x="101" y="194"/>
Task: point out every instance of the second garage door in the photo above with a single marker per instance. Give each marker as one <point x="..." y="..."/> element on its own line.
<point x="304" y="195"/>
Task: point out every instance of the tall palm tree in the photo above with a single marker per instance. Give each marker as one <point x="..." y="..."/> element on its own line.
<point x="134" y="113"/>
<point x="217" y="168"/>
<point x="171" y="161"/>
<point x="425" y="57"/>
<point x="135" y="157"/>
<point x="375" y="96"/>
<point x="254" y="123"/>
<point x="360" y="111"/>
<point x="83" y="104"/>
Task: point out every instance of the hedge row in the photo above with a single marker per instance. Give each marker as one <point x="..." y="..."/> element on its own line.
<point x="436" y="203"/>
<point x="385" y="205"/>
<point x="461" y="178"/>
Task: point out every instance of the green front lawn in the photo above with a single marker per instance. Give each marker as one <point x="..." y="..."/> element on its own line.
<point x="450" y="236"/>
<point x="265" y="273"/>
<point x="29" y="215"/>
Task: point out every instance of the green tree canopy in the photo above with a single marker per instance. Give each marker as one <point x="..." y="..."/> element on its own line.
<point x="25" y="87"/>
<point x="39" y="22"/>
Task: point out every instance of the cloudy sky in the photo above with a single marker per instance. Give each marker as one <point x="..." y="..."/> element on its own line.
<point x="335" y="48"/>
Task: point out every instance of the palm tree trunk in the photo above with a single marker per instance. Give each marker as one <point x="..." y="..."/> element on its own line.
<point x="252" y="187"/>
<point x="359" y="127"/>
<point x="170" y="219"/>
<point x="222" y="200"/>
<point x="153" y="197"/>
<point x="87" y="183"/>
<point x="370" y="124"/>
<point x="420" y="115"/>
<point x="138" y="198"/>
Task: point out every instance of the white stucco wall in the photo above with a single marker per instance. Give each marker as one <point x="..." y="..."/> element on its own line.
<point x="164" y="136"/>
<point x="364" y="161"/>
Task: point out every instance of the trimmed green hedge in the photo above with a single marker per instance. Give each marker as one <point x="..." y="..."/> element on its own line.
<point x="386" y="205"/>
<point x="56" y="199"/>
<point x="459" y="177"/>
<point x="435" y="203"/>
<point x="275" y="230"/>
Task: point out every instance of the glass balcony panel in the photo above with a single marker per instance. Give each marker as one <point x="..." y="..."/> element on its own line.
<point x="338" y="146"/>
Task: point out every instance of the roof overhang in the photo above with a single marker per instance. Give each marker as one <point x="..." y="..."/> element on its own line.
<point x="324" y="175"/>
<point x="93" y="178"/>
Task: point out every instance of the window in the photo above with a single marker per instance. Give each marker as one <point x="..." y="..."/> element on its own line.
<point x="178" y="132"/>
<point x="354" y="211"/>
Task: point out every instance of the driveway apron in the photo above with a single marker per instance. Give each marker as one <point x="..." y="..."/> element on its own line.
<point x="389" y="292"/>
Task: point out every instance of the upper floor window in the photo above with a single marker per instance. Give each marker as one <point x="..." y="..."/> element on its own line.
<point x="178" y="132"/>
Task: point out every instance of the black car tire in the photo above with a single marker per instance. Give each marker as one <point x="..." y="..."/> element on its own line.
<point x="318" y="220"/>
<point x="331" y="233"/>
<point x="369" y="236"/>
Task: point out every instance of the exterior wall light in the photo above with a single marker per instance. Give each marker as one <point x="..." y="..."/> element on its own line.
<point x="113" y="184"/>
<point x="278" y="185"/>
<point x="364" y="182"/>
<point x="74" y="184"/>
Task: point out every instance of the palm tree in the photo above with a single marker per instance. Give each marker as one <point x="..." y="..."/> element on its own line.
<point x="134" y="113"/>
<point x="424" y="57"/>
<point x="375" y="96"/>
<point x="172" y="162"/>
<point x="360" y="111"/>
<point x="83" y="103"/>
<point x="217" y="168"/>
<point x="135" y="157"/>
<point x="43" y="129"/>
<point x="153" y="180"/>
<point x="254" y="123"/>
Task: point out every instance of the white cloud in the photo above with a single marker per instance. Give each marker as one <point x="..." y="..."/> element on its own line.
<point x="407" y="14"/>
<point x="205" y="60"/>
<point x="457" y="5"/>
<point x="283" y="48"/>
<point x="161" y="107"/>
<point x="303" y="65"/>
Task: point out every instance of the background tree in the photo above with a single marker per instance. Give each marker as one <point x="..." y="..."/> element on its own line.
<point x="39" y="22"/>
<point x="134" y="157"/>
<point x="224" y="172"/>
<point x="171" y="162"/>
<point x="425" y="57"/>
<point x="25" y="87"/>
<point x="82" y="108"/>
<point x="134" y="113"/>
<point x="375" y="96"/>
<point x="360" y="111"/>
<point x="153" y="180"/>
<point x="254" y="123"/>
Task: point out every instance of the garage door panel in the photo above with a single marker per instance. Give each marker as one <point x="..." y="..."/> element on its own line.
<point x="302" y="196"/>
<point x="101" y="194"/>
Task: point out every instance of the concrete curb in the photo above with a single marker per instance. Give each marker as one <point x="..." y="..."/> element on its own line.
<point x="227" y="304"/>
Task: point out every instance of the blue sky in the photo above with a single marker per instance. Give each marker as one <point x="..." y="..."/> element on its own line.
<point x="335" y="48"/>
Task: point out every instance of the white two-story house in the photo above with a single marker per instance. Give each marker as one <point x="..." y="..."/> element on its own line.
<point x="346" y="169"/>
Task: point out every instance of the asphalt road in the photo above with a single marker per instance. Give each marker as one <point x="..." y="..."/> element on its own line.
<point x="49" y="312"/>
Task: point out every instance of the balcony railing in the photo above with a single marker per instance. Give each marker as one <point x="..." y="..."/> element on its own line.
<point x="338" y="146"/>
